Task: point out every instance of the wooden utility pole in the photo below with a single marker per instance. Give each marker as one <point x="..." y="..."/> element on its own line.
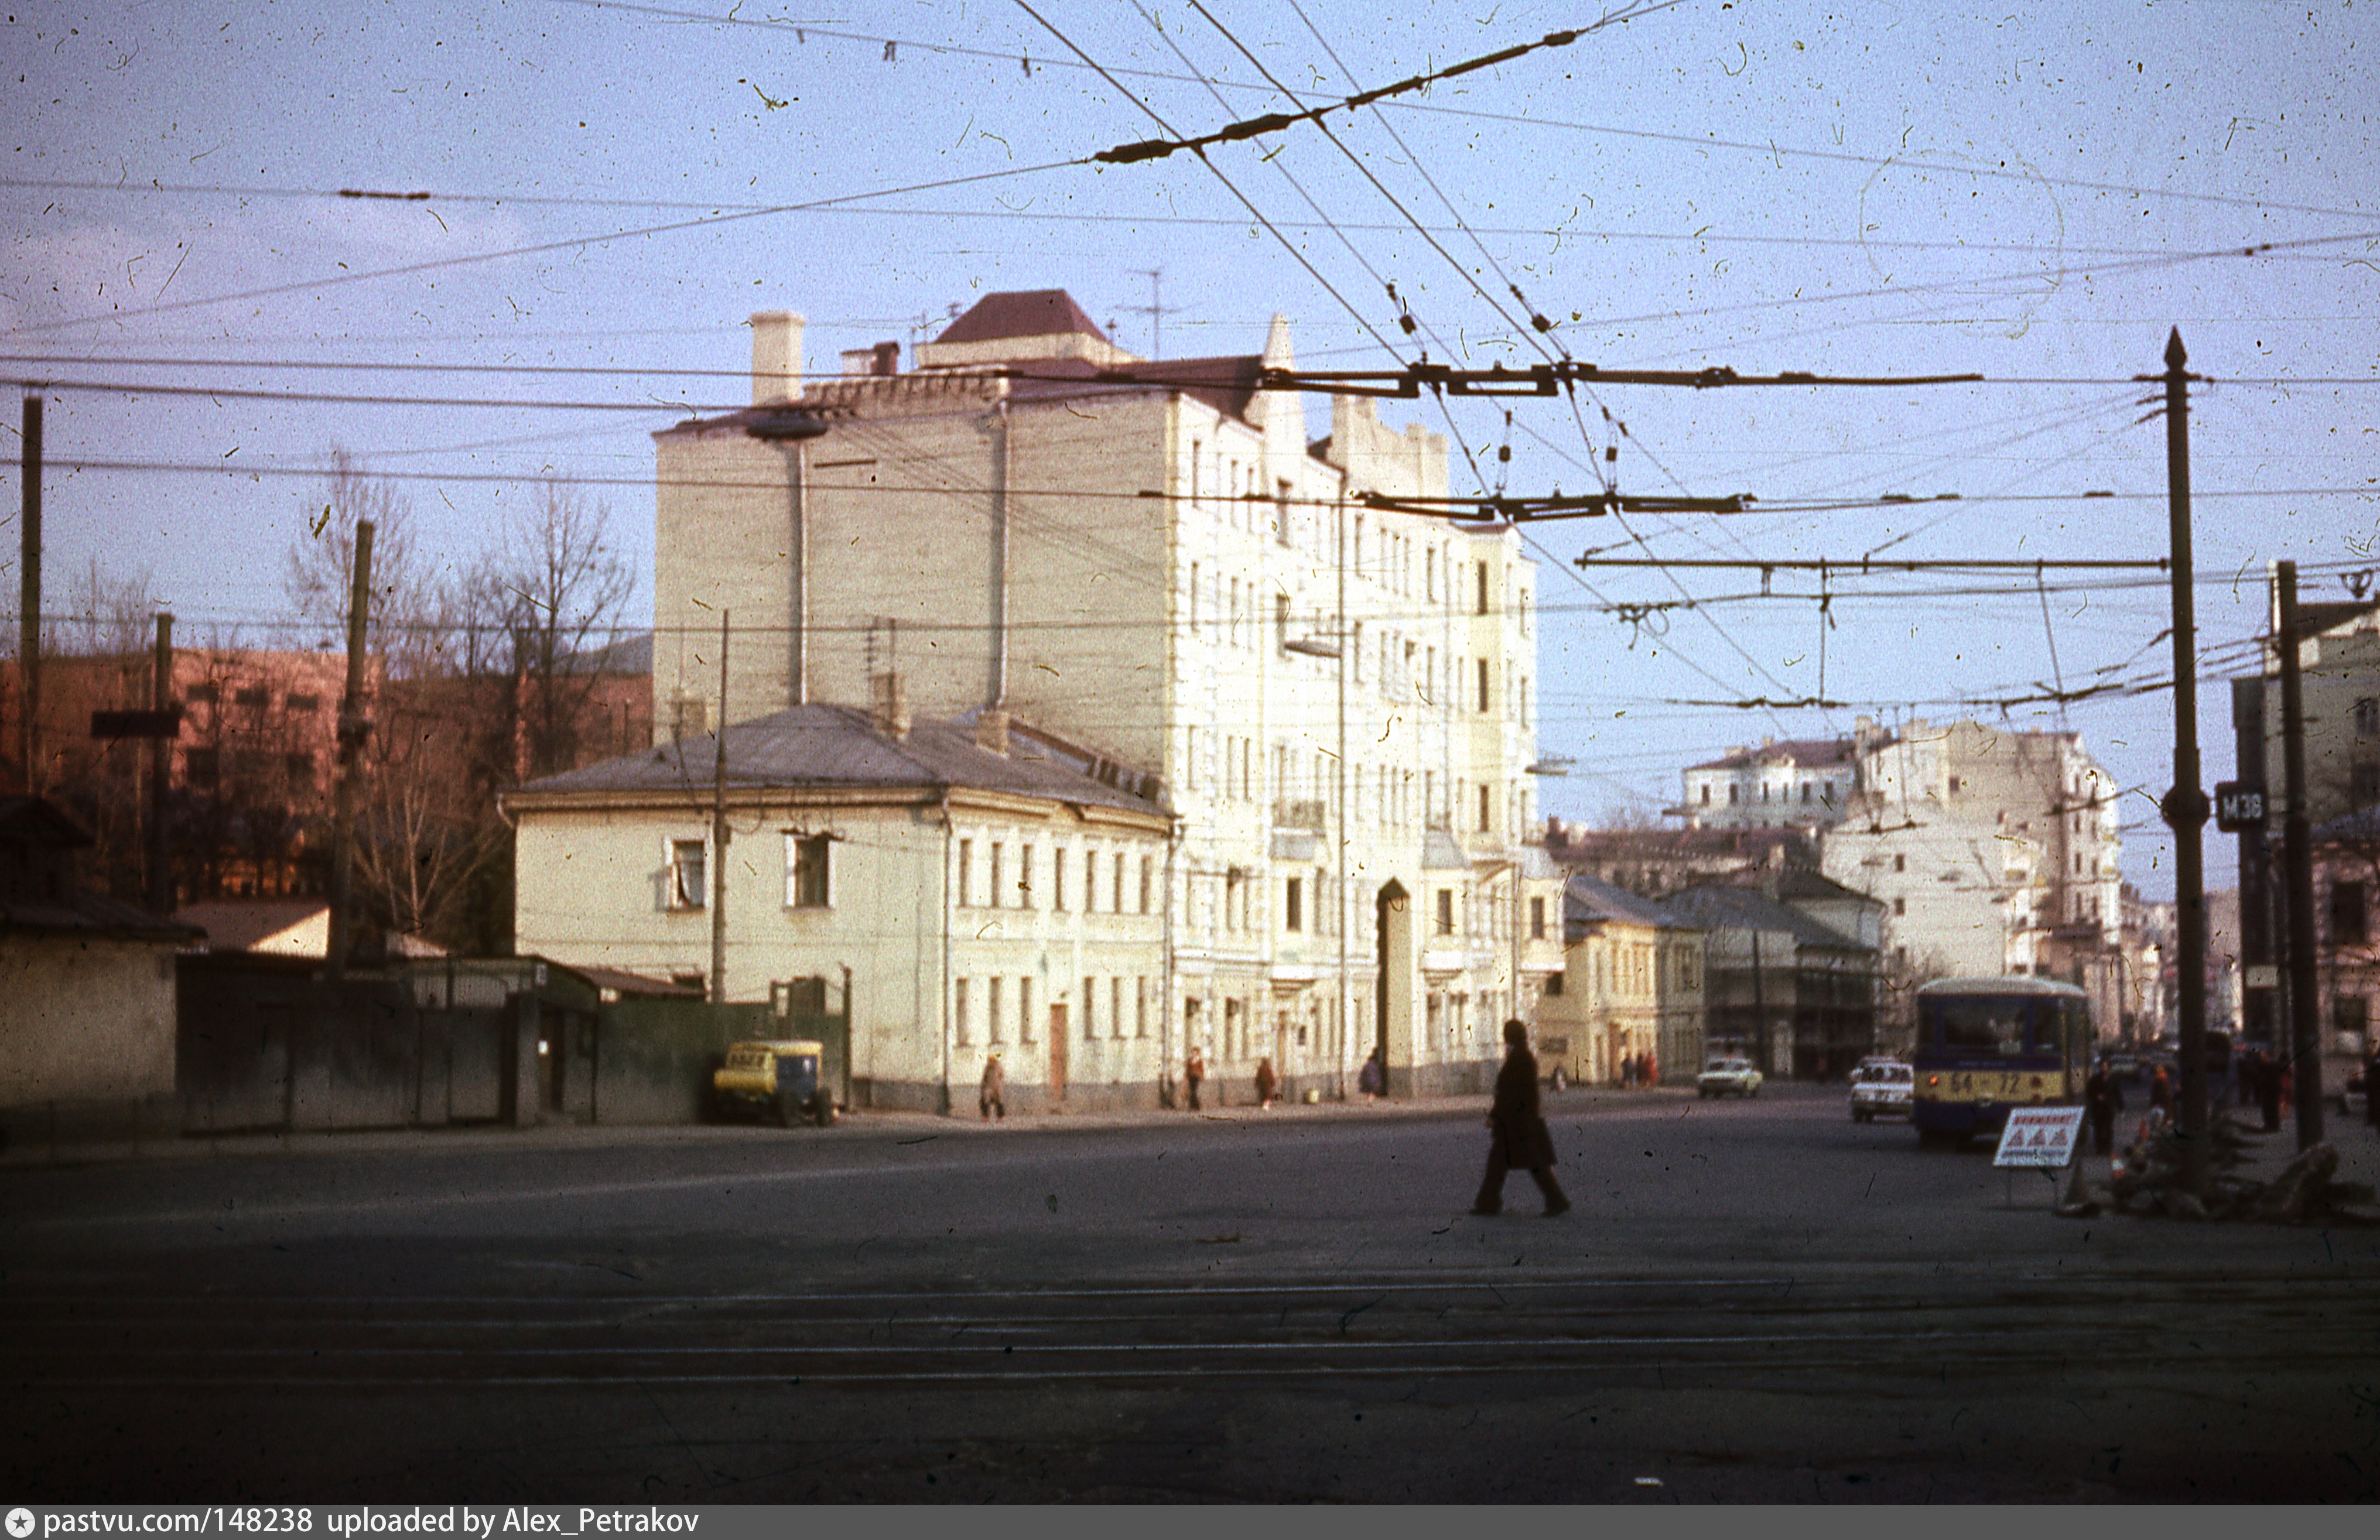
<point x="719" y="829"/>
<point x="160" y="769"/>
<point x="2296" y="873"/>
<point x="28" y="645"/>
<point x="2185" y="805"/>
<point x="355" y="726"/>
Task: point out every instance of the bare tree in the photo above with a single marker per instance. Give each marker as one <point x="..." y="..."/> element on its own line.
<point x="560" y="586"/>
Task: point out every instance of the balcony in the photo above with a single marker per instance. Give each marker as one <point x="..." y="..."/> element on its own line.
<point x="1290" y="812"/>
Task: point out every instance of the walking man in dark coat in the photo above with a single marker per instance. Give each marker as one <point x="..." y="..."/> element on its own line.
<point x="2268" y="1091"/>
<point x="2103" y="1099"/>
<point x="1194" y="1075"/>
<point x="1520" y="1136"/>
<point x="993" y="1099"/>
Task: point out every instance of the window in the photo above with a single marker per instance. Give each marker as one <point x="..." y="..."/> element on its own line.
<point x="1446" y="911"/>
<point x="1058" y="881"/>
<point x="959" y="1027"/>
<point x="1140" y="1007"/>
<point x="1293" y="905"/>
<point x="1537" y="920"/>
<point x="1090" y="881"/>
<point x="1483" y="684"/>
<point x="1732" y="791"/>
<point x="300" y="770"/>
<point x="1115" y="1008"/>
<point x="1025" y="1010"/>
<point x="1118" y="906"/>
<point x="1808" y="793"/>
<point x="1194" y="599"/>
<point x="2347" y="1016"/>
<point x="1900" y="906"/>
<point x="1553" y="983"/>
<point x="1689" y="971"/>
<point x="688" y="881"/>
<point x="1706" y="793"/>
<point x="1280" y="511"/>
<point x="1483" y="588"/>
<point x="2350" y="916"/>
<point x="806" y="858"/>
<point x="1024" y="877"/>
<point x="251" y="695"/>
<point x="2367" y="718"/>
<point x="1280" y="623"/>
<point x="1090" y="996"/>
<point x="1147" y="877"/>
<point x="967" y="873"/>
<point x="1900" y="863"/>
<point x="1233" y="884"/>
<point x="999" y="1027"/>
<point x="204" y="693"/>
<point x="2363" y="785"/>
<point x="998" y="859"/>
<point x="303" y="702"/>
<point x="1484" y="826"/>
<point x="1828" y="796"/>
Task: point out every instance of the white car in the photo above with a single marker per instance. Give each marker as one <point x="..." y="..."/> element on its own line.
<point x="1882" y="1089"/>
<point x="1728" y="1077"/>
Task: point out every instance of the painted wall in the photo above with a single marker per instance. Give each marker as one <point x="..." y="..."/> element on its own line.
<point x="89" y="1022"/>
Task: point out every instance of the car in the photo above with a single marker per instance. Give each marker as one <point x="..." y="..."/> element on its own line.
<point x="1882" y="1089"/>
<point x="776" y="1077"/>
<point x="1728" y="1077"/>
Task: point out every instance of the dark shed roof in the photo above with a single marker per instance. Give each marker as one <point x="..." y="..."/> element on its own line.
<point x="1020" y="313"/>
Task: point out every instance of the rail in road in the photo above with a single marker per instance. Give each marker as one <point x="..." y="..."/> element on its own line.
<point x="1384" y="1326"/>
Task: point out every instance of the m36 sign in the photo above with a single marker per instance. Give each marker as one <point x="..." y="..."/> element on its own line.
<point x="2239" y="808"/>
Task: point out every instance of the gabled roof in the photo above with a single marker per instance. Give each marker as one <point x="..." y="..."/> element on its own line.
<point x="1717" y="908"/>
<point x="1023" y="313"/>
<point x="821" y="746"/>
<point x="1586" y="900"/>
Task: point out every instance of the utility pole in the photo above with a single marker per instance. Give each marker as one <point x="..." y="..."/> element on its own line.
<point x="2297" y="861"/>
<point x="161" y="770"/>
<point x="719" y="829"/>
<point x="354" y="727"/>
<point x="2185" y="805"/>
<point x="28" y="646"/>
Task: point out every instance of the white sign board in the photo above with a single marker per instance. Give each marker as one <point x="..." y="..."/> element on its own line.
<point x="2043" y="1136"/>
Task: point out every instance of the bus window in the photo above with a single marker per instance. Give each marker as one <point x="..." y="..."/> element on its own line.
<point x="2076" y="1017"/>
<point x="1980" y="1024"/>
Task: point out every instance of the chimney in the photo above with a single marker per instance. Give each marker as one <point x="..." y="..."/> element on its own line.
<point x="890" y="714"/>
<point x="776" y="357"/>
<point x="878" y="362"/>
<point x="991" y="729"/>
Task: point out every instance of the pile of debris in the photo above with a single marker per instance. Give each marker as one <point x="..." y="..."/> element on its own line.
<point x="2149" y="1181"/>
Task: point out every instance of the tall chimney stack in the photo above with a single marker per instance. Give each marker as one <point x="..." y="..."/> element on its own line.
<point x="776" y="357"/>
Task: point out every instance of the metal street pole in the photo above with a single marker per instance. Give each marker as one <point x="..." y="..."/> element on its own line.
<point x="352" y="728"/>
<point x="2297" y="861"/>
<point x="28" y="646"/>
<point x="719" y="829"/>
<point x="2185" y="806"/>
<point x="161" y="770"/>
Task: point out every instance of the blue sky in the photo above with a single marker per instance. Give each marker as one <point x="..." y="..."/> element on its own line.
<point x="2037" y="197"/>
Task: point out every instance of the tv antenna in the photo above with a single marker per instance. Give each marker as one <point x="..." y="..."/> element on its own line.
<point x="1156" y="310"/>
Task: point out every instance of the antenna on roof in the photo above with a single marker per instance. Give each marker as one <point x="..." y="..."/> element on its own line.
<point x="1156" y="310"/>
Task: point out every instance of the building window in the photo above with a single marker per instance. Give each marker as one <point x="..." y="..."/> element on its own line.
<point x="959" y="1026"/>
<point x="302" y="702"/>
<point x="203" y="693"/>
<point x="1553" y="983"/>
<point x="1293" y="905"/>
<point x="1900" y="863"/>
<point x="1483" y="684"/>
<point x="2350" y="918"/>
<point x="251" y="695"/>
<point x="1446" y="911"/>
<point x="1117" y="907"/>
<point x="807" y="859"/>
<point x="1024" y="877"/>
<point x="1140" y="1007"/>
<point x="300" y="771"/>
<point x="1689" y="971"/>
<point x="998" y="1026"/>
<point x="1733" y="789"/>
<point x="2367" y="717"/>
<point x="1485" y="826"/>
<point x="1537" y="920"/>
<point x="1090" y="881"/>
<point x="1090" y="994"/>
<point x="1900" y="906"/>
<point x="1829" y="796"/>
<point x="1058" y="881"/>
<point x="2348" y="1015"/>
<point x="1483" y="588"/>
<point x="1808" y="791"/>
<point x="998" y="860"/>
<point x="1706" y="793"/>
<point x="2363" y="785"/>
<point x="1025" y="1010"/>
<point x="967" y="873"/>
<point x="1115" y="1008"/>
<point x="687" y="880"/>
<point x="1280" y="623"/>
<point x="1147" y="879"/>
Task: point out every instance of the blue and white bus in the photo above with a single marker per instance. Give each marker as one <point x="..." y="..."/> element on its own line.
<point x="1985" y="1045"/>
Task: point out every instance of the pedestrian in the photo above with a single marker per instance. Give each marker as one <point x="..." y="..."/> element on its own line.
<point x="1520" y="1137"/>
<point x="1627" y="1072"/>
<point x="1194" y="1075"/>
<point x="2161" y="1093"/>
<point x="993" y="1099"/>
<point x="2268" y="1091"/>
<point x="2104" y="1097"/>
<point x="2371" y="1085"/>
<point x="1652" y="1070"/>
<point x="1267" y="1084"/>
<point x="1373" y="1078"/>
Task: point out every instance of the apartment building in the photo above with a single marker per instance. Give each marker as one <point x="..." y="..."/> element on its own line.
<point x="1335" y="702"/>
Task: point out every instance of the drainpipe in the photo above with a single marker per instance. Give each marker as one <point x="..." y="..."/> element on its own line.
<point x="947" y="917"/>
<point x="998" y="681"/>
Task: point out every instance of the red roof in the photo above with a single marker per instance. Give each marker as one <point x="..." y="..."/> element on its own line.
<point x="1027" y="313"/>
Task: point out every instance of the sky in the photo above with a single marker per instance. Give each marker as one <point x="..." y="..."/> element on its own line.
<point x="2038" y="198"/>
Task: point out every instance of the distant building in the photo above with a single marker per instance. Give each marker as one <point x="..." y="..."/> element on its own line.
<point x="1801" y="782"/>
<point x="1794" y="995"/>
<point x="1655" y="862"/>
<point x="1632" y="983"/>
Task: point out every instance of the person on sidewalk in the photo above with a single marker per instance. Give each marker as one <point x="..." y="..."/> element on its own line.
<point x="2161" y="1092"/>
<point x="1267" y="1084"/>
<point x="1194" y="1075"/>
<point x="2268" y="1091"/>
<point x="2104" y="1097"/>
<point x="1373" y="1078"/>
<point x="993" y="1099"/>
<point x="1520" y="1137"/>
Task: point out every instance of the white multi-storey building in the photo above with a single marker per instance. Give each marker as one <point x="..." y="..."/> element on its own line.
<point x="1336" y="702"/>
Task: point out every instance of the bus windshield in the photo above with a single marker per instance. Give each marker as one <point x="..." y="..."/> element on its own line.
<point x="1980" y="1023"/>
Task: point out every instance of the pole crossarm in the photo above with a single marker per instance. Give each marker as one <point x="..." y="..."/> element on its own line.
<point x="1523" y="510"/>
<point x="1863" y="564"/>
<point x="1550" y="379"/>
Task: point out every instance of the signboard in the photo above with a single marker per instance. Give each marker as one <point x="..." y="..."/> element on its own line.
<point x="2239" y="808"/>
<point x="2047" y="1138"/>
<point x="2264" y="976"/>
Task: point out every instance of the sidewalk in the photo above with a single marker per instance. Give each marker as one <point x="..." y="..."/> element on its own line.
<point x="961" y="1121"/>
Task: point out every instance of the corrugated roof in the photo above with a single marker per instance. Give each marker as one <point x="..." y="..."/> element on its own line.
<point x="1715" y="908"/>
<point x="1020" y="313"/>
<point x="824" y="747"/>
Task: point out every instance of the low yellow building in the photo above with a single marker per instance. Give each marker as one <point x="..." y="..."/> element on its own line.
<point x="984" y="887"/>
<point x="1631" y="985"/>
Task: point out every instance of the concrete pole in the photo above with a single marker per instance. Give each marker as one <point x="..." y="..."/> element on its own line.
<point x="161" y="771"/>
<point x="2185" y="806"/>
<point x="719" y="829"/>
<point x="354" y="726"/>
<point x="2297" y="860"/>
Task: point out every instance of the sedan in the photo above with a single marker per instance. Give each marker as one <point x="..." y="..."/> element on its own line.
<point x="1728" y="1077"/>
<point x="1882" y="1089"/>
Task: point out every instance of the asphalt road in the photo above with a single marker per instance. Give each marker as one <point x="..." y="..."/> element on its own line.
<point x="1750" y="1301"/>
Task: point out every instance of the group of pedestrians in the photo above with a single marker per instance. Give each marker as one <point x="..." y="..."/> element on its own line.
<point x="1639" y="1070"/>
<point x="2258" y="1079"/>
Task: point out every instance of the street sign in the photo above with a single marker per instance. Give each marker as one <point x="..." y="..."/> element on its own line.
<point x="2239" y="808"/>
<point x="2047" y="1137"/>
<point x="137" y="724"/>
<point x="2264" y="976"/>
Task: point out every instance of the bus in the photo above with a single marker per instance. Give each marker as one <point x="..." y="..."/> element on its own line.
<point x="1985" y="1045"/>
